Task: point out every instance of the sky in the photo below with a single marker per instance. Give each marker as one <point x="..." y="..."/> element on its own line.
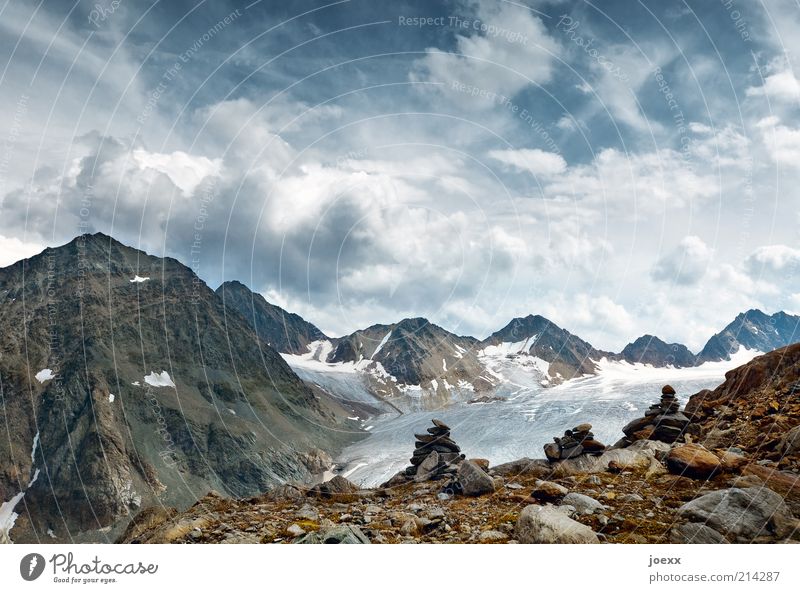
<point x="622" y="168"/>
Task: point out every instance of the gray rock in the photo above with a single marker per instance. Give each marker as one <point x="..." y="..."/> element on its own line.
<point x="473" y="480"/>
<point x="548" y="525"/>
<point x="295" y="530"/>
<point x="585" y="505"/>
<point x="790" y="443"/>
<point x="741" y="514"/>
<point x="339" y="534"/>
<point x="308" y="513"/>
<point x="695" y="533"/>
<point x="492" y="536"/>
<point x="426" y="469"/>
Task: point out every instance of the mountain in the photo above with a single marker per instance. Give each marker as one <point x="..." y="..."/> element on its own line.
<point x="754" y="330"/>
<point x="415" y="352"/>
<point x="284" y="331"/>
<point x="567" y="355"/>
<point x="125" y="381"/>
<point x="654" y="351"/>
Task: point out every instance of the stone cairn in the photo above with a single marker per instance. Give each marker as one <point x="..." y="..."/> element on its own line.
<point x="436" y="455"/>
<point x="578" y="441"/>
<point x="661" y="422"/>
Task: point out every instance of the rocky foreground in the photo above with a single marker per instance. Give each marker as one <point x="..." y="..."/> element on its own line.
<point x="724" y="470"/>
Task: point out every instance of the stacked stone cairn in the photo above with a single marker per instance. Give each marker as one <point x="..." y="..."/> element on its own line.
<point x="436" y="455"/>
<point x="578" y="441"/>
<point x="661" y="422"/>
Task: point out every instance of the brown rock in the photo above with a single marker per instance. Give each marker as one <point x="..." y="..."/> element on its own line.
<point x="481" y="463"/>
<point x="667" y="390"/>
<point x="548" y="491"/>
<point x="693" y="461"/>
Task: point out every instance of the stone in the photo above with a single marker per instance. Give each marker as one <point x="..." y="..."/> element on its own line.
<point x="741" y="514"/>
<point x="308" y="513"/>
<point x="790" y="442"/>
<point x="552" y="452"/>
<point x="336" y="485"/>
<point x="585" y="427"/>
<point x="473" y="480"/>
<point x="693" y="461"/>
<point x="295" y="530"/>
<point x="481" y="463"/>
<point x="667" y="390"/>
<point x="491" y="536"/>
<point x="547" y="525"/>
<point x="440" y="424"/>
<point x="585" y="505"/>
<point x="428" y="465"/>
<point x="695" y="533"/>
<point x="548" y="491"/>
<point x="338" y="534"/>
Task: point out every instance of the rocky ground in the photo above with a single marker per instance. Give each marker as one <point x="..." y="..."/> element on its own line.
<point x="741" y="487"/>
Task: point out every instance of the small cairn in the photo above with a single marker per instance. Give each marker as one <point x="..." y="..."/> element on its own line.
<point x="436" y="455"/>
<point x="578" y="441"/>
<point x="661" y="422"/>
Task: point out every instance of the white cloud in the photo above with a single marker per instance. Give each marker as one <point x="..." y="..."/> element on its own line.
<point x="781" y="86"/>
<point x="534" y="161"/>
<point x="13" y="250"/>
<point x="686" y="264"/>
<point x="782" y="142"/>
<point x="773" y="261"/>
<point x="184" y="170"/>
<point x="502" y="63"/>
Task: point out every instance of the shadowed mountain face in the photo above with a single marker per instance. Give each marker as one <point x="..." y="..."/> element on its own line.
<point x="568" y="355"/>
<point x="284" y="331"/>
<point x="654" y="351"/>
<point x="124" y="381"/>
<point x="754" y="330"/>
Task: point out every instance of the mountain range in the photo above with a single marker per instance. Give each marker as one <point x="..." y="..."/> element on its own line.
<point x="126" y="381"/>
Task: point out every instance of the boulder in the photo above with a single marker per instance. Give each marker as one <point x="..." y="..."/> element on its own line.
<point x="741" y="514"/>
<point x="426" y="469"/>
<point x="548" y="525"/>
<point x="693" y="461"/>
<point x="790" y="442"/>
<point x="584" y="505"/>
<point x="473" y="480"/>
<point x="524" y="466"/>
<point x="336" y="485"/>
<point x="548" y="491"/>
<point x="339" y="534"/>
<point x="695" y="533"/>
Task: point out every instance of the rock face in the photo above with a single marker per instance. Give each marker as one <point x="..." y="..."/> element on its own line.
<point x="578" y="441"/>
<point x="148" y="391"/>
<point x="741" y="514"/>
<point x="653" y="351"/>
<point x="661" y="422"/>
<point x="693" y="461"/>
<point x="756" y="409"/>
<point x="754" y="330"/>
<point x="548" y="525"/>
<point x="283" y="331"/>
<point x="568" y="355"/>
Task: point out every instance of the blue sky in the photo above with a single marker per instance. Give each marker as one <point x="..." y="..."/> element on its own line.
<point x="619" y="167"/>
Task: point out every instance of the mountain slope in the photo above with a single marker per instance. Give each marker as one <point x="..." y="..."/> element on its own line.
<point x="124" y="382"/>
<point x="653" y="351"/>
<point x="284" y="331"/>
<point x="568" y="355"/>
<point x="754" y="330"/>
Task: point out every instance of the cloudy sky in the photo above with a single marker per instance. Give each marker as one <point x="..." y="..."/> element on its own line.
<point x="620" y="167"/>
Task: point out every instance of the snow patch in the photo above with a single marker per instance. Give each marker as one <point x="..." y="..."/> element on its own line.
<point x="382" y="344"/>
<point x="111" y="398"/>
<point x="138" y="279"/>
<point x="45" y="375"/>
<point x="161" y="379"/>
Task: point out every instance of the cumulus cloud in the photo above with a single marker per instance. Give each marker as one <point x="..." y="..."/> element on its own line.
<point x="686" y="264"/>
<point x="534" y="161"/>
<point x="781" y="86"/>
<point x="504" y="49"/>
<point x="773" y="261"/>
